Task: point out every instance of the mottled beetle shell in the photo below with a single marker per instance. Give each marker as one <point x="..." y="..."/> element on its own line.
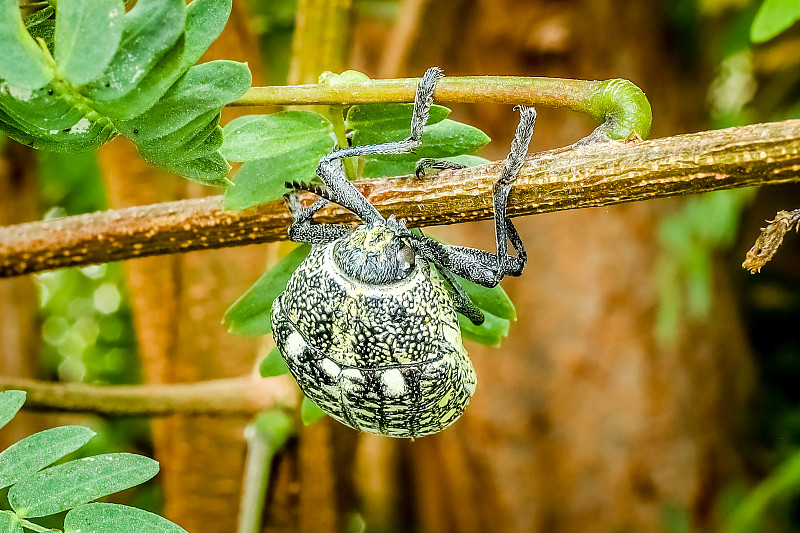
<point x="386" y="358"/>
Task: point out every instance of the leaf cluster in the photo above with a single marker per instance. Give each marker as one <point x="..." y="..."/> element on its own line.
<point x="38" y="489"/>
<point x="75" y="76"/>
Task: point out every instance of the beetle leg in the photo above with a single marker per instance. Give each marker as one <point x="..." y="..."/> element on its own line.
<point x="436" y="164"/>
<point x="486" y="268"/>
<point x="463" y="303"/>
<point x="302" y="230"/>
<point x="330" y="167"/>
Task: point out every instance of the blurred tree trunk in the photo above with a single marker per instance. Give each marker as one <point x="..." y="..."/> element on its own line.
<point x="178" y="304"/>
<point x="20" y="333"/>
<point x="582" y="421"/>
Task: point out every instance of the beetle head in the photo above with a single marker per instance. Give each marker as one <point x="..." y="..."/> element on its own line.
<point x="376" y="253"/>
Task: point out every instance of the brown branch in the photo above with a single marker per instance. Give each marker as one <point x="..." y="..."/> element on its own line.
<point x="224" y="397"/>
<point x="588" y="176"/>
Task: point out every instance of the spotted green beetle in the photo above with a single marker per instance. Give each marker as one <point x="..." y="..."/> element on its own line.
<point x="368" y="322"/>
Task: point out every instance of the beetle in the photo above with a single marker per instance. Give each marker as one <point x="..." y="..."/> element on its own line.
<point x="368" y="322"/>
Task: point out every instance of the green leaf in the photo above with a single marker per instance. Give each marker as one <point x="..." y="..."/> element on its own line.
<point x="208" y="170"/>
<point x="180" y="143"/>
<point x="249" y="315"/>
<point x="262" y="180"/>
<point x="43" y="108"/>
<point x="83" y="136"/>
<point x="273" y="364"/>
<point x="203" y="88"/>
<point x="388" y="117"/>
<point x="274" y="428"/>
<point x="22" y="62"/>
<point x="10" y="402"/>
<point x="248" y="139"/>
<point x="310" y="412"/>
<point x="37" y="451"/>
<point x="490" y="333"/>
<point x="772" y="18"/>
<point x="379" y="168"/>
<point x="9" y="523"/>
<point x="150" y="88"/>
<point x="205" y="20"/>
<point x="151" y="28"/>
<point x="781" y="484"/>
<point x="105" y="517"/>
<point x="41" y="24"/>
<point x="87" y="36"/>
<point x="447" y="138"/>
<point x="67" y="485"/>
<point x="494" y="300"/>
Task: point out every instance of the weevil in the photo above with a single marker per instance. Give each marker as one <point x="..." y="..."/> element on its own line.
<point x="368" y="322"/>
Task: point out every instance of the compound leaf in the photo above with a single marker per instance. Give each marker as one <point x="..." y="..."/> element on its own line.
<point x="250" y="138"/>
<point x="10" y="402"/>
<point x="22" y="62"/>
<point x="273" y="364"/>
<point x="249" y="315"/>
<point x="87" y="36"/>
<point x="67" y="485"/>
<point x="39" y="450"/>
<point x="309" y="411"/>
<point x="9" y="523"/>
<point x="104" y="517"/>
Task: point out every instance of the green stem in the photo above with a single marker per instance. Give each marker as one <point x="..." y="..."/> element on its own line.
<point x="266" y="436"/>
<point x="620" y="106"/>
<point x="35" y="527"/>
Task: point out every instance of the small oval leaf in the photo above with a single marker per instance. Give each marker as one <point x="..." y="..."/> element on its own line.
<point x="310" y="412"/>
<point x="204" y="87"/>
<point x="150" y="29"/>
<point x="273" y="364"/>
<point x="249" y="315"/>
<point x="388" y="117"/>
<point x="105" y="517"/>
<point x="447" y="138"/>
<point x="10" y="402"/>
<point x="87" y="36"/>
<point x="67" y="485"/>
<point x="22" y="62"/>
<point x="490" y="333"/>
<point x="248" y="138"/>
<point x="39" y="450"/>
<point x="772" y="18"/>
<point x="262" y="180"/>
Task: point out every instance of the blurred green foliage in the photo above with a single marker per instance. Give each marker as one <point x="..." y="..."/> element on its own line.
<point x="752" y="83"/>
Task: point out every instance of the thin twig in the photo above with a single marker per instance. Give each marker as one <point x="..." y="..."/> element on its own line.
<point x="224" y="397"/>
<point x="588" y="176"/>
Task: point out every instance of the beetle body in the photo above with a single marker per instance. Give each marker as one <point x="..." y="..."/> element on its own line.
<point x="370" y="332"/>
